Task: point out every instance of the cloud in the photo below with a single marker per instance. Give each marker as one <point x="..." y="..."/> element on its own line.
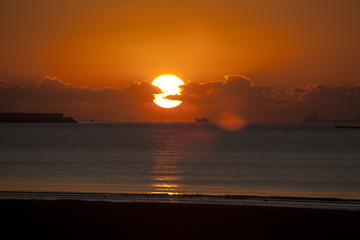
<point x="53" y="95"/>
<point x="5" y="84"/>
<point x="340" y="102"/>
<point x="235" y="94"/>
<point x="233" y="100"/>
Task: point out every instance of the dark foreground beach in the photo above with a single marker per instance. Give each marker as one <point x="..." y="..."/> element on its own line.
<point x="67" y="219"/>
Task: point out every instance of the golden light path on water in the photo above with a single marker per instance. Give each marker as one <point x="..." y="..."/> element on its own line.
<point x="166" y="170"/>
<point x="171" y="171"/>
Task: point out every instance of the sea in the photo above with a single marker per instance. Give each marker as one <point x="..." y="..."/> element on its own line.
<point x="295" y="165"/>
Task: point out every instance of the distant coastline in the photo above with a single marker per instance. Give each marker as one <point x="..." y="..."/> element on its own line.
<point x="35" y="118"/>
<point x="313" y="118"/>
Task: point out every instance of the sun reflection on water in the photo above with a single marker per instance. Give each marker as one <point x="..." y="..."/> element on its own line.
<point x="172" y="146"/>
<point x="166" y="172"/>
<point x="165" y="177"/>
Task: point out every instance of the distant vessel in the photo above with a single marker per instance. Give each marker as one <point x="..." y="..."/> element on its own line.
<point x="35" y="118"/>
<point x="312" y="118"/>
<point x="201" y="120"/>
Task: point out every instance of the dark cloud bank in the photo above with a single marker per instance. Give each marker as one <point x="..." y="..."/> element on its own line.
<point x="235" y="98"/>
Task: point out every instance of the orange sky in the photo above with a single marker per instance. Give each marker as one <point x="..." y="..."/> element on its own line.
<point x="259" y="61"/>
<point x="113" y="43"/>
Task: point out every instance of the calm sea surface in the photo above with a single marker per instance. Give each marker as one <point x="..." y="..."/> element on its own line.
<point x="181" y="158"/>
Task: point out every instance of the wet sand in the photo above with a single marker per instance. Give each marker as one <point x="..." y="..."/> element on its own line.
<point x="65" y="219"/>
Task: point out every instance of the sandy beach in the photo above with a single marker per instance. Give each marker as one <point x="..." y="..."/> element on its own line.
<point x="65" y="219"/>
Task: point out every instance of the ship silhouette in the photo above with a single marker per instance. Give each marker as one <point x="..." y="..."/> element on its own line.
<point x="201" y="120"/>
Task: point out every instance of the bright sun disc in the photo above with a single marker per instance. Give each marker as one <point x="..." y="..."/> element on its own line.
<point x="169" y="85"/>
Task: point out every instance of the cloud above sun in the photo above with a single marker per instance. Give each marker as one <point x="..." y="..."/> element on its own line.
<point x="235" y="98"/>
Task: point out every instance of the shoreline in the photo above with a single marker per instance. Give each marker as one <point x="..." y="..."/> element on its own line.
<point x="74" y="219"/>
<point x="200" y="199"/>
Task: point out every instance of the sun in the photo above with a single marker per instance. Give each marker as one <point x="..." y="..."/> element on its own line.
<point x="169" y="85"/>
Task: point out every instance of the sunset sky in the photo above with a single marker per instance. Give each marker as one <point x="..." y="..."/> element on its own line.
<point x="259" y="60"/>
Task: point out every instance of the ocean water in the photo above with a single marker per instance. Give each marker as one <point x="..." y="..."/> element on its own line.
<point x="294" y="160"/>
